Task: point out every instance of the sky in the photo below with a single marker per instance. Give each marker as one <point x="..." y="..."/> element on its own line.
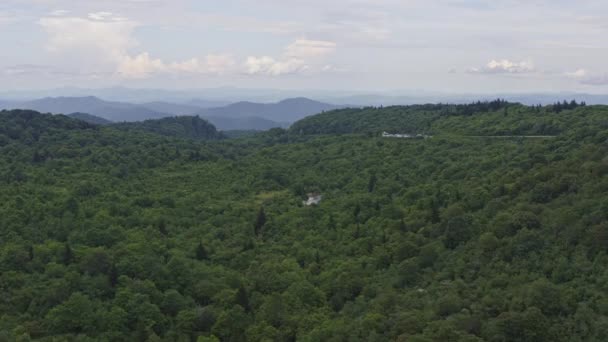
<point x="452" y="46"/>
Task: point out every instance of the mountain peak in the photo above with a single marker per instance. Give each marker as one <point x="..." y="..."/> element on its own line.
<point x="298" y="100"/>
<point x="285" y="111"/>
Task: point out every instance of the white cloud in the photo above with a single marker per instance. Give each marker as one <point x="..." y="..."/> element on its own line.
<point x="270" y="66"/>
<point x="589" y="78"/>
<point x="597" y="80"/>
<point x="579" y="73"/>
<point x="107" y="38"/>
<point x="142" y="65"/>
<point x="504" y="66"/>
<point x="219" y="64"/>
<point x="101" y="16"/>
<point x="301" y="55"/>
<point x="59" y="13"/>
<point x="26" y="69"/>
<point x="304" y="48"/>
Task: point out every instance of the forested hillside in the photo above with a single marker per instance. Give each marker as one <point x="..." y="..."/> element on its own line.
<point x="188" y="127"/>
<point x="124" y="234"/>
<point x="92" y="119"/>
<point x="482" y="118"/>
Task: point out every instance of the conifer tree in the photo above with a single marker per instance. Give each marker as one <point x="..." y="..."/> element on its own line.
<point x="242" y="298"/>
<point x="30" y="252"/>
<point x="372" y="183"/>
<point x="402" y="226"/>
<point x="113" y="275"/>
<point x="201" y="252"/>
<point x="260" y="222"/>
<point x="68" y="255"/>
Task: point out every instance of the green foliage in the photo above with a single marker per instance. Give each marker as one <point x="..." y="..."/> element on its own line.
<point x="122" y="234"/>
<point x="192" y="127"/>
<point x="201" y="252"/>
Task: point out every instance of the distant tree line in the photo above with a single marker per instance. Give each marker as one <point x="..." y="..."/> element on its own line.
<point x="565" y="105"/>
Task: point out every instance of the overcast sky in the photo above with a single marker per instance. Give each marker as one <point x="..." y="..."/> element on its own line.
<point x="453" y="46"/>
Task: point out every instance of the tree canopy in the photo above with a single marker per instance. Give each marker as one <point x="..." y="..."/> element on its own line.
<point x="130" y="234"/>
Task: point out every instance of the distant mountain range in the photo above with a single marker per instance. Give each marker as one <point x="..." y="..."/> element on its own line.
<point x="172" y="108"/>
<point x="222" y="96"/>
<point x="113" y="111"/>
<point x="289" y="110"/>
<point x="190" y="127"/>
<point x="244" y="124"/>
<point x="237" y="116"/>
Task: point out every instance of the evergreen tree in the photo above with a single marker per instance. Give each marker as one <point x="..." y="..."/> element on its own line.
<point x="357" y="233"/>
<point x="435" y="211"/>
<point x="68" y="255"/>
<point x="113" y="275"/>
<point x="37" y="157"/>
<point x="260" y="222"/>
<point x="162" y="227"/>
<point x="356" y="212"/>
<point x="242" y="298"/>
<point x="201" y="252"/>
<point x="372" y="183"/>
<point x="402" y="226"/>
<point x="30" y="252"/>
<point x="331" y="224"/>
<point x="248" y="245"/>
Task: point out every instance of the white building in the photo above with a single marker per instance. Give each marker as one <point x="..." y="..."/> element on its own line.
<point x="405" y="136"/>
<point x="313" y="199"/>
<point x="388" y="135"/>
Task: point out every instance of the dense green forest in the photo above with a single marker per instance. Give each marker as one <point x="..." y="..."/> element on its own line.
<point x="90" y="118"/>
<point x="189" y="127"/>
<point x="146" y="234"/>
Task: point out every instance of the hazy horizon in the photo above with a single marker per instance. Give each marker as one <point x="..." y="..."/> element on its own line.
<point x="218" y="97"/>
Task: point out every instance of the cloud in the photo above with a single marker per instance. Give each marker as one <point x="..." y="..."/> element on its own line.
<point x="219" y="64"/>
<point x="299" y="56"/>
<point x="59" y="13"/>
<point x="579" y="73"/>
<point x="26" y="69"/>
<point x="599" y="80"/>
<point x="504" y="66"/>
<point x="304" y="48"/>
<point x="588" y="78"/>
<point x="105" y="37"/>
<point x="101" y="16"/>
<point x="142" y="66"/>
<point x="270" y="66"/>
<point x="40" y="72"/>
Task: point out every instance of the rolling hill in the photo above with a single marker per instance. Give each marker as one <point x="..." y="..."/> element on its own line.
<point x="172" y="108"/>
<point x="122" y="233"/>
<point x="289" y="110"/>
<point x="237" y="116"/>
<point x="225" y="123"/>
<point x="113" y="111"/>
<point x="185" y="127"/>
<point x="92" y="119"/>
